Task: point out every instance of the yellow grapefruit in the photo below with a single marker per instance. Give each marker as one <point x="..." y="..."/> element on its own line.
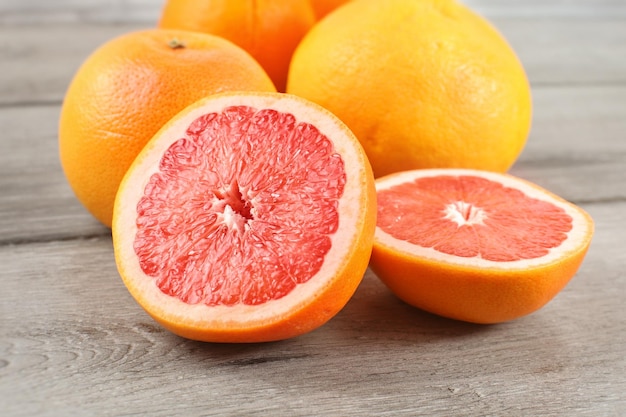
<point x="421" y="83"/>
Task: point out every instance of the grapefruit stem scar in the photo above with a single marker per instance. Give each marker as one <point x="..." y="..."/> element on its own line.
<point x="176" y="43"/>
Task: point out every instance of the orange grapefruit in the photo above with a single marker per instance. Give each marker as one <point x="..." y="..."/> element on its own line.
<point x="127" y="89"/>
<point x="269" y="30"/>
<point x="473" y="245"/>
<point x="248" y="217"/>
<point x="421" y="83"/>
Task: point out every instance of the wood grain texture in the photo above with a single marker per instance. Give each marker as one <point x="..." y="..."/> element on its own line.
<point x="74" y="343"/>
<point x="37" y="64"/>
<point x="577" y="146"/>
<point x="85" y="348"/>
<point x="36" y="202"/>
<point x="72" y="11"/>
<point x="554" y="51"/>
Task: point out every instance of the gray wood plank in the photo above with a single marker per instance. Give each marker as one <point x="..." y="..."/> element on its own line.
<point x="569" y="51"/>
<point x="77" y="344"/>
<point x="577" y="145"/>
<point x="541" y="8"/>
<point x="74" y="343"/>
<point x="36" y="203"/>
<point x="37" y="65"/>
<point x="71" y="11"/>
<point x="579" y="50"/>
<point x="576" y="149"/>
<point x="33" y="11"/>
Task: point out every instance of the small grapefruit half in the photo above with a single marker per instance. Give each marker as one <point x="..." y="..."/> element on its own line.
<point x="249" y="217"/>
<point x="475" y="246"/>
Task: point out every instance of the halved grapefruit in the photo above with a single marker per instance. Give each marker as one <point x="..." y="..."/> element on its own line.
<point x="475" y="246"/>
<point x="249" y="217"/>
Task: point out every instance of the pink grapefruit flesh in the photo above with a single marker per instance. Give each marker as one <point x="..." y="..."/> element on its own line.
<point x="470" y="216"/>
<point x="473" y="245"/>
<point x="244" y="216"/>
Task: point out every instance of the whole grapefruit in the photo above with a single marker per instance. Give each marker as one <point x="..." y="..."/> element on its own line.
<point x="422" y="84"/>
<point x="127" y="89"/>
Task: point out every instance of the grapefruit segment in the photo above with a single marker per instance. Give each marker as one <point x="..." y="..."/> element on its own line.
<point x="248" y="217"/>
<point x="473" y="245"/>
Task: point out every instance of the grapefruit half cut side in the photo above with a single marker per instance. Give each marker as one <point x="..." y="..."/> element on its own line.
<point x="249" y="217"/>
<point x="476" y="246"/>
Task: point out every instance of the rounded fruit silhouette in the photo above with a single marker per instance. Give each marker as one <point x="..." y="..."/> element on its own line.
<point x="269" y="30"/>
<point x="127" y="89"/>
<point x="473" y="245"/>
<point x="421" y="83"/>
<point x="249" y="217"/>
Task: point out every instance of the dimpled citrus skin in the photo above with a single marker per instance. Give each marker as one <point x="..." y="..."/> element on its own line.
<point x="130" y="87"/>
<point x="268" y="29"/>
<point x="422" y="84"/>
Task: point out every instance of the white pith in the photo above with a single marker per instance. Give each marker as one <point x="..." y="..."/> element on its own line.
<point x="233" y="220"/>
<point x="576" y="237"/>
<point x="351" y="216"/>
<point x="463" y="213"/>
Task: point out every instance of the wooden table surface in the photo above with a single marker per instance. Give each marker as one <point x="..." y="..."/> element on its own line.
<point x="74" y="343"/>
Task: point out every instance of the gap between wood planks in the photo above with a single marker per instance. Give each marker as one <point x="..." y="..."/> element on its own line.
<point x="15" y="241"/>
<point x="31" y="103"/>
